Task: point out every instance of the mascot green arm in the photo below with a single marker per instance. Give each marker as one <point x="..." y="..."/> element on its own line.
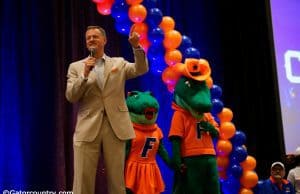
<point x="206" y="126"/>
<point x="164" y="154"/>
<point x="176" y="141"/>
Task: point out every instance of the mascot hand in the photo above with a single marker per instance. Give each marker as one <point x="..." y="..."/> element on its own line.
<point x="207" y="127"/>
<point x="178" y="166"/>
<point x="176" y="163"/>
<point x="183" y="168"/>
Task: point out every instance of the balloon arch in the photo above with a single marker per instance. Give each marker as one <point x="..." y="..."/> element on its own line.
<point x="166" y="47"/>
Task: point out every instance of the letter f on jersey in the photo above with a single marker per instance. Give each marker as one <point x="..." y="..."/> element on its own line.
<point x="148" y="146"/>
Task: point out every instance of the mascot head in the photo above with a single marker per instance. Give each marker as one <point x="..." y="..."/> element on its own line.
<point x="143" y="107"/>
<point x="191" y="91"/>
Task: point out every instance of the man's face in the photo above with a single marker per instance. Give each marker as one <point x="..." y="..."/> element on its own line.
<point x="94" y="39"/>
<point x="277" y="172"/>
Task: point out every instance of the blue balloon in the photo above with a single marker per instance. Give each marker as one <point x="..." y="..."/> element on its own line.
<point x="216" y="91"/>
<point x="157" y="68"/>
<point x="235" y="170"/>
<point x="260" y="182"/>
<point x="215" y="141"/>
<point x="119" y="11"/>
<point x="154" y="17"/>
<point x="258" y="186"/>
<point x="157" y="64"/>
<point x="238" y="139"/>
<point x="231" y="186"/>
<point x="216" y="118"/>
<point x="150" y="3"/>
<point x="239" y="154"/>
<point x="217" y="106"/>
<point x="156" y="36"/>
<point x="156" y="49"/>
<point x="156" y="53"/>
<point x="191" y="52"/>
<point x="123" y="27"/>
<point x="186" y="42"/>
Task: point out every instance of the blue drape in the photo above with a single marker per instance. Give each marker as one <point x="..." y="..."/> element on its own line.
<point x="26" y="100"/>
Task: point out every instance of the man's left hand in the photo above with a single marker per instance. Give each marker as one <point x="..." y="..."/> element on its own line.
<point x="134" y="38"/>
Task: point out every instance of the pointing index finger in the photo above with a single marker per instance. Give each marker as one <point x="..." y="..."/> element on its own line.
<point x="132" y="30"/>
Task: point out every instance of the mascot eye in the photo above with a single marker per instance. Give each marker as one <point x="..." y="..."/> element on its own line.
<point x="187" y="83"/>
<point x="133" y="93"/>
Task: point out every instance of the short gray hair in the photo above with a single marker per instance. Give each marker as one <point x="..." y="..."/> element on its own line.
<point x="97" y="27"/>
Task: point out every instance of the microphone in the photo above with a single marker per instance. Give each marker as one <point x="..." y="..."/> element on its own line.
<point x="92" y="51"/>
<point x="92" y="54"/>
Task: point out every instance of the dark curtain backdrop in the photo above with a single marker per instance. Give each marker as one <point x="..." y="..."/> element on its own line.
<point x="250" y="87"/>
<point x="39" y="39"/>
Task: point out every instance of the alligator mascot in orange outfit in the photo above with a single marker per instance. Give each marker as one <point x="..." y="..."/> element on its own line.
<point x="142" y="175"/>
<point x="192" y="131"/>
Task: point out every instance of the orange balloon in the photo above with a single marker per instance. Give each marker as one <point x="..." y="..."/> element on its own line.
<point x="172" y="39"/>
<point x="141" y="29"/>
<point x="179" y="68"/>
<point x="169" y="76"/>
<point x="167" y="24"/>
<point x="222" y="162"/>
<point x="227" y="130"/>
<point x="249" y="163"/>
<point x="172" y="57"/>
<point x="223" y="147"/>
<point x="225" y="115"/>
<point x="133" y="2"/>
<point x="137" y="13"/>
<point x="249" y="179"/>
<point x="245" y="191"/>
<point x="104" y="7"/>
<point x="209" y="82"/>
<point x="144" y="42"/>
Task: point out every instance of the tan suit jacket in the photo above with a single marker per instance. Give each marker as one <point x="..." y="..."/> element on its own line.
<point x="94" y="102"/>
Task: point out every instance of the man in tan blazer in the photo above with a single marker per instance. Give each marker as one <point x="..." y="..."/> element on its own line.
<point x="103" y="125"/>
